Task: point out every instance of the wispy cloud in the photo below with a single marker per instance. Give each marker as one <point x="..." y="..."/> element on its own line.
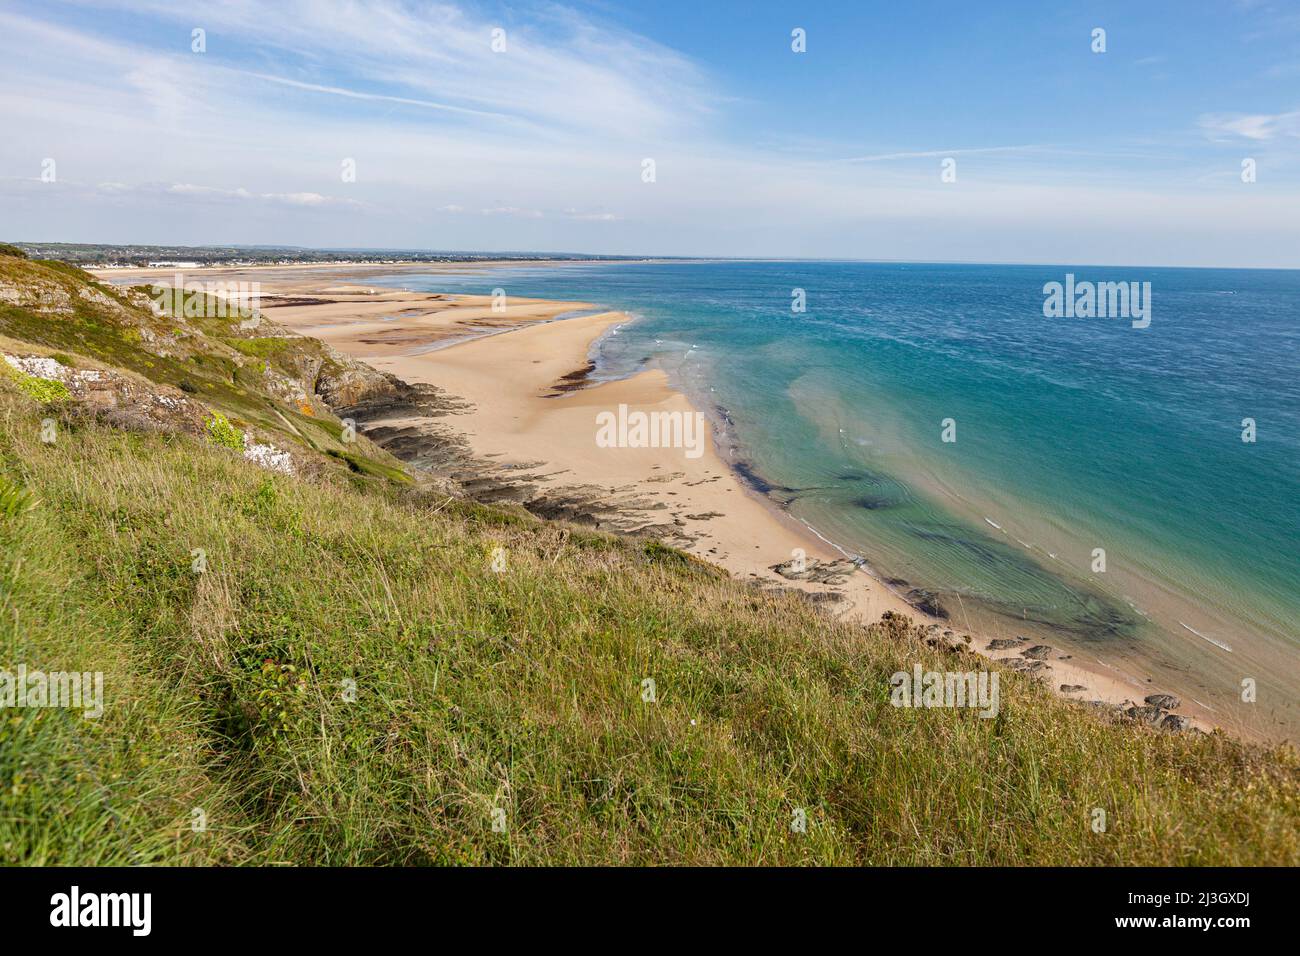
<point x="374" y="97"/>
<point x="1260" y="127"/>
<point x="932" y="153"/>
<point x="541" y="145"/>
<point x="553" y="68"/>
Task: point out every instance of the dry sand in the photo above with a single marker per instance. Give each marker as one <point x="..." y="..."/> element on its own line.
<point x="507" y="362"/>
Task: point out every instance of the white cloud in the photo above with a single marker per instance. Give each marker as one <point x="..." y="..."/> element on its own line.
<point x="1261" y="127"/>
<point x="559" y="70"/>
<point x="219" y="194"/>
<point x="539" y="147"/>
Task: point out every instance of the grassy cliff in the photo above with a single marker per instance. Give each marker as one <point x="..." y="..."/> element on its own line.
<point x="345" y="679"/>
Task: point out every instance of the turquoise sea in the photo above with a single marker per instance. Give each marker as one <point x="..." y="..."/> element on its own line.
<point x="1072" y="435"/>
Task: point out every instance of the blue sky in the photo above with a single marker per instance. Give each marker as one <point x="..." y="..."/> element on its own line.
<point x="1131" y="156"/>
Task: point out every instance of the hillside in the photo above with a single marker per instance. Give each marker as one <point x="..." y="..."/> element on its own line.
<point x="343" y="661"/>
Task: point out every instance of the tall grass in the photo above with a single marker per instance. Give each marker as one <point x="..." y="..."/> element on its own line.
<point x="348" y="682"/>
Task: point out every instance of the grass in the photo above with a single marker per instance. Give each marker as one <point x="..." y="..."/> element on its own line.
<point x="328" y="670"/>
<point x="14" y="499"/>
<point x="348" y="682"/>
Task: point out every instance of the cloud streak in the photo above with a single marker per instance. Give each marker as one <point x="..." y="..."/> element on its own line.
<point x="539" y="146"/>
<point x="1259" y="127"/>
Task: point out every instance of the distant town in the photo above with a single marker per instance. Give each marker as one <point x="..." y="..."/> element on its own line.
<point x="97" y="256"/>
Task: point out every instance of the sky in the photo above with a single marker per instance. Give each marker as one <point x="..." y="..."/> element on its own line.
<point x="983" y="132"/>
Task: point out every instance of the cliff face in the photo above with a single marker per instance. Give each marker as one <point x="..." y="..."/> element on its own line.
<point x="170" y="362"/>
<point x="162" y="362"/>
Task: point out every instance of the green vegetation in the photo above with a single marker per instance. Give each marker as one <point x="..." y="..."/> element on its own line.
<point x="211" y="358"/>
<point x="43" y="390"/>
<point x="221" y="432"/>
<point x="14" y="499"/>
<point x="262" y="348"/>
<point x="228" y="692"/>
<point x="361" y="465"/>
<point x="327" y="670"/>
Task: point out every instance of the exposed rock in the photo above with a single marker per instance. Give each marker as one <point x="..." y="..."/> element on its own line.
<point x="947" y="641"/>
<point x="47" y="297"/>
<point x="1005" y="643"/>
<point x="91" y="294"/>
<point x="41" y="367"/>
<point x="822" y="597"/>
<point x="1164" y="701"/>
<point x="1146" y="714"/>
<point x="1103" y="705"/>
<point x="1025" y="666"/>
<point x="342" y="383"/>
<point x="818" y="572"/>
<point x="268" y="456"/>
<point x="117" y="399"/>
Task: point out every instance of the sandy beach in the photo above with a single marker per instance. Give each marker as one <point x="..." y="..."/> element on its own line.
<point x="519" y="366"/>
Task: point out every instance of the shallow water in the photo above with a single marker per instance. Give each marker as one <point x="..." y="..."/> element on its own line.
<point x="1071" y="434"/>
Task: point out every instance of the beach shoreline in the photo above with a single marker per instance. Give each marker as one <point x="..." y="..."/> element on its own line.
<point x="509" y="361"/>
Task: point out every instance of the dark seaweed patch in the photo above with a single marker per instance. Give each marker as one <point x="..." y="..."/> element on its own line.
<point x="875" y="502"/>
<point x="760" y="484"/>
<point x="927" y="601"/>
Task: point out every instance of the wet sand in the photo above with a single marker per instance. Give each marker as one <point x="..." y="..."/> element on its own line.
<point x="529" y="408"/>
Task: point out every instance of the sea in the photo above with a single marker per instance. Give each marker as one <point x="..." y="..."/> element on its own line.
<point x="1127" y="487"/>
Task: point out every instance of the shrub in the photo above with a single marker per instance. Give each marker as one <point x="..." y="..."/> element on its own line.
<point x="221" y="432"/>
<point x="42" y="389"/>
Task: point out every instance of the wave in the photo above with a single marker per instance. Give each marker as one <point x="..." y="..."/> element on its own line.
<point x="1204" y="637"/>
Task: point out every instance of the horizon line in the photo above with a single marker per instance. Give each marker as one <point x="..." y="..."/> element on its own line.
<point x="613" y="256"/>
